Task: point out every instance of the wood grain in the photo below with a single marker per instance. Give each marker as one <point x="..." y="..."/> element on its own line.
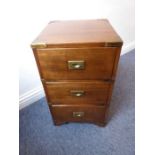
<point x="94" y="42"/>
<point x="79" y="33"/>
<point x="99" y="63"/>
<point x="95" y="92"/>
<point x="92" y="114"/>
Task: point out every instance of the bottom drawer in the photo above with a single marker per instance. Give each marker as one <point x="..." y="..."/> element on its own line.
<point x="93" y="114"/>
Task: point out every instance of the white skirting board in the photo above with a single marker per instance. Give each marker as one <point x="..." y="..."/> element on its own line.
<point x="127" y="48"/>
<point x="37" y="93"/>
<point x="31" y="97"/>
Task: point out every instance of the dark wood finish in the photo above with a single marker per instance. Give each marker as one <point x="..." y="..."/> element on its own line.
<point x="95" y="92"/>
<point x="63" y="114"/>
<point x="77" y="62"/>
<point x="116" y="63"/>
<point x="99" y="63"/>
<point x="81" y="33"/>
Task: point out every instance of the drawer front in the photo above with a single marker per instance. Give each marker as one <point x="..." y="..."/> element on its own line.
<point x="78" y="113"/>
<point x="78" y="92"/>
<point x="76" y="63"/>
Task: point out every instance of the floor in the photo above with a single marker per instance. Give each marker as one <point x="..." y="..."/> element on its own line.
<point x="38" y="135"/>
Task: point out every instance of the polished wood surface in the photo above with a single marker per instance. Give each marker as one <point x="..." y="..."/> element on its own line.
<point x="94" y="92"/>
<point x="79" y="33"/>
<point x="77" y="63"/>
<point x="63" y="114"/>
<point x="99" y="63"/>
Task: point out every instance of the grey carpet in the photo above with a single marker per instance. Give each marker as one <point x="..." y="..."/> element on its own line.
<point x="38" y="135"/>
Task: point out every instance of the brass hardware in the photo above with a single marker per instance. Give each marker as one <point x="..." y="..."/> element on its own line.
<point x="77" y="93"/>
<point x="38" y="45"/>
<point x="78" y="114"/>
<point x="76" y="64"/>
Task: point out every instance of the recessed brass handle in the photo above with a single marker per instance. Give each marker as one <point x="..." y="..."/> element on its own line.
<point x="78" y="114"/>
<point x="77" y="66"/>
<point x="77" y="93"/>
<point x="74" y="64"/>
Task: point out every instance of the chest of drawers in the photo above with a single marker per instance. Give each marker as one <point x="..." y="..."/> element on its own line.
<point x="77" y="62"/>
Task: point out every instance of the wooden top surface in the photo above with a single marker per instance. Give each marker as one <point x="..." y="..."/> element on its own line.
<point x="79" y="32"/>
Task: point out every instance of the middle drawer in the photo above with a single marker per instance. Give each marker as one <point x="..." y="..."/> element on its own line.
<point x="79" y="92"/>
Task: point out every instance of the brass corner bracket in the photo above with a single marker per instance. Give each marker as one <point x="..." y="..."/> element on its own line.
<point x="38" y="45"/>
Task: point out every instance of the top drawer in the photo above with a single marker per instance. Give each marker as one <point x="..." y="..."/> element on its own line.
<point x="76" y="63"/>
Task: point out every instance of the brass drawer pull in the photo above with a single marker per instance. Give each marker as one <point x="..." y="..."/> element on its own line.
<point x="76" y="64"/>
<point x="78" y="114"/>
<point x="77" y="93"/>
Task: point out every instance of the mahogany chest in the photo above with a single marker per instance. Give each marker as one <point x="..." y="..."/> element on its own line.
<point x="77" y="61"/>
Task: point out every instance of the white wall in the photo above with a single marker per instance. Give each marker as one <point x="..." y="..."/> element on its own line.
<point x="36" y="14"/>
